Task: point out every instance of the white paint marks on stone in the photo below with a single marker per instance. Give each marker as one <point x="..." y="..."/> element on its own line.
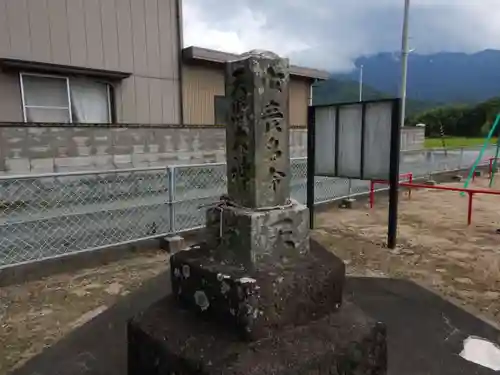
<point x="221" y="277"/>
<point x="481" y="352"/>
<point x="225" y="287"/>
<point x="186" y="271"/>
<point x="201" y="300"/>
<point x="247" y="280"/>
<point x="177" y="273"/>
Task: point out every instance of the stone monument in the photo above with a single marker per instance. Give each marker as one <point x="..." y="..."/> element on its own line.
<point x="256" y="295"/>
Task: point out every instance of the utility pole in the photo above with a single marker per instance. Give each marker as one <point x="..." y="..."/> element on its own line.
<point x="361" y="83"/>
<point x="404" y="61"/>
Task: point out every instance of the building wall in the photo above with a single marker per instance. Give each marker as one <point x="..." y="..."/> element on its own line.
<point x="202" y="83"/>
<point x="300" y="92"/>
<point x="10" y="98"/>
<point x="136" y="36"/>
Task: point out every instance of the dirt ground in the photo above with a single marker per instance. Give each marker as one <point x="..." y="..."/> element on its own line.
<point x="436" y="249"/>
<point x="37" y="314"/>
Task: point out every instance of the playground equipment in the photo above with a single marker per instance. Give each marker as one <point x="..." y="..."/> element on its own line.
<point x="404" y="176"/>
<point x="491" y="165"/>
<point x="471" y="193"/>
<point x="410" y="185"/>
<point x="480" y="157"/>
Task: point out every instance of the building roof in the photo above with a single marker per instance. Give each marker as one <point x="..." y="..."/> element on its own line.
<point x="218" y="57"/>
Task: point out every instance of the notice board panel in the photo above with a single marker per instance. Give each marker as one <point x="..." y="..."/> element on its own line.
<point x="353" y="140"/>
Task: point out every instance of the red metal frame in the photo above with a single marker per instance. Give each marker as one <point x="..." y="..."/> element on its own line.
<point x="409" y="175"/>
<point x="471" y="193"/>
<point x="490" y="167"/>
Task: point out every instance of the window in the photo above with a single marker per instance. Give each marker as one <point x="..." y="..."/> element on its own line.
<point x="221" y="109"/>
<point x="64" y="100"/>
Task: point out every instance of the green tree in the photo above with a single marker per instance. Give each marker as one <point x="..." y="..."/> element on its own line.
<point x="459" y="120"/>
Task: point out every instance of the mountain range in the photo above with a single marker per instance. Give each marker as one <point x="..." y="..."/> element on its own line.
<point x="433" y="80"/>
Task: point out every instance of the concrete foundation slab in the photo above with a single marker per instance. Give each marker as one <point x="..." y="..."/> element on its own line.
<point x="425" y="332"/>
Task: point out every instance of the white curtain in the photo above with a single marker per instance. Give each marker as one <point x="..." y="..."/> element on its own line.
<point x="89" y="101"/>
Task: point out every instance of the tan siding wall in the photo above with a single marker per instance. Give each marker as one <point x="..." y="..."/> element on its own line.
<point x="136" y="36"/>
<point x="40" y="29"/>
<point x="59" y="30"/>
<point x="77" y="32"/>
<point x="299" y="100"/>
<point x="202" y="84"/>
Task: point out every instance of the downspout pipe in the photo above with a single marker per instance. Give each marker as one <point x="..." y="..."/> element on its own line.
<point x="180" y="45"/>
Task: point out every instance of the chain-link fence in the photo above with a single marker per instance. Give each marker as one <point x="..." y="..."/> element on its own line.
<point x="45" y="216"/>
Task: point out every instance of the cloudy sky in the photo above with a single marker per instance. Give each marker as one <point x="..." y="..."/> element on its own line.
<point x="329" y="34"/>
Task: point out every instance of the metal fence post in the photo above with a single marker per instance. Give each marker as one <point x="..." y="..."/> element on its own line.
<point x="349" y="184"/>
<point x="171" y="197"/>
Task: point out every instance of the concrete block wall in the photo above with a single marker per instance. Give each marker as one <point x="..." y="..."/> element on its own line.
<point x="38" y="150"/>
<point x="412" y="138"/>
<point x="35" y="150"/>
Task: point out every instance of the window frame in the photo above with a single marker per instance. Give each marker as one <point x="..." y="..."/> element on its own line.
<point x="68" y="93"/>
<point x="220" y="97"/>
<point x="23" y="97"/>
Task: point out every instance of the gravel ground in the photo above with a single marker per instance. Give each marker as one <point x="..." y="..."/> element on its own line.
<point x="37" y="314"/>
<point x="436" y="248"/>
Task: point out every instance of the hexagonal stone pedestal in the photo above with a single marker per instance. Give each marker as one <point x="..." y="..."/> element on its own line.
<point x="295" y="323"/>
<point x="254" y="302"/>
<point x="167" y="341"/>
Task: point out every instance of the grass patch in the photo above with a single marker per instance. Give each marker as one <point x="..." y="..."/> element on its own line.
<point x="456" y="142"/>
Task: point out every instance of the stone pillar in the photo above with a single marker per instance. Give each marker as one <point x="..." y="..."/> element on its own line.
<point x="257" y="131"/>
<point x="258" y="222"/>
<point x="257" y="230"/>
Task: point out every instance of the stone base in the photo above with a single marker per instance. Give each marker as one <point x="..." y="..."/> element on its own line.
<point x="172" y="244"/>
<point x="256" y="302"/>
<point x="246" y="236"/>
<point x="167" y="340"/>
<point x="347" y="203"/>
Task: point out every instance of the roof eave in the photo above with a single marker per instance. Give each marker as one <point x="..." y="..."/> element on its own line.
<point x="218" y="57"/>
